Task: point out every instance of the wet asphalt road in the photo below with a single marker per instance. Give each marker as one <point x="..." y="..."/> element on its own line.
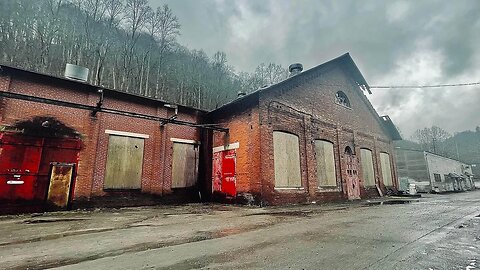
<point x="438" y="232"/>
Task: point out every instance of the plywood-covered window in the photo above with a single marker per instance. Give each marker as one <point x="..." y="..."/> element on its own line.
<point x="286" y="160"/>
<point x="366" y="159"/>
<point x="325" y="164"/>
<point x="184" y="165"/>
<point x="386" y="169"/>
<point x="124" y="163"/>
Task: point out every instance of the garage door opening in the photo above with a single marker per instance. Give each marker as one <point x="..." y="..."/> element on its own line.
<point x="30" y="151"/>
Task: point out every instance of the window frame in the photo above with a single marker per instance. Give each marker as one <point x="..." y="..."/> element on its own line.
<point x="296" y="171"/>
<point x="370" y="185"/>
<point x="390" y="172"/>
<point x="346" y="103"/>
<point x="333" y="162"/>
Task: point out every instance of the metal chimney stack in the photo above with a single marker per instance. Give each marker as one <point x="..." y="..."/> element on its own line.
<point x="295" y="69"/>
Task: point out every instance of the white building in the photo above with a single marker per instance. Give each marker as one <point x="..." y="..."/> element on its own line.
<point x="432" y="172"/>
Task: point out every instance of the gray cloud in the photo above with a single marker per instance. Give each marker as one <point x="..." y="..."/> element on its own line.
<point x="393" y="43"/>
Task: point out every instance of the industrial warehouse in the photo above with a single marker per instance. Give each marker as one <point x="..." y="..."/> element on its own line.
<point x="312" y="137"/>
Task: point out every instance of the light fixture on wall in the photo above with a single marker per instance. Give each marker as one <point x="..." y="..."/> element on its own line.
<point x="171" y="118"/>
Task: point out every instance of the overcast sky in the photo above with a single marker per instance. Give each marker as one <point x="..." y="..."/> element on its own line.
<point x="392" y="42"/>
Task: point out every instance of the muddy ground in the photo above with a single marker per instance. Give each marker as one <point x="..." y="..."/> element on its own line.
<point x="434" y="232"/>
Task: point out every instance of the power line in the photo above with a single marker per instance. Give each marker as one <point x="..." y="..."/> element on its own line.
<point x="425" y="86"/>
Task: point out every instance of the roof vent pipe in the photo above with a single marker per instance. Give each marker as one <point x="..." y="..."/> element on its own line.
<point x="77" y="73"/>
<point x="295" y="69"/>
<point x="241" y="94"/>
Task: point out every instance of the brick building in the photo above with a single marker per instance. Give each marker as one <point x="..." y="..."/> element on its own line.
<point x="312" y="137"/>
<point x="119" y="144"/>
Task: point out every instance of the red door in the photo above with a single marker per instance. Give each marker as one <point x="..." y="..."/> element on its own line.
<point x="25" y="164"/>
<point x="19" y="163"/>
<point x="224" y="175"/>
<point x="352" y="178"/>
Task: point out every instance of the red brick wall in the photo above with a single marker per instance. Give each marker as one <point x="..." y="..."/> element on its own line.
<point x="244" y="129"/>
<point x="156" y="174"/>
<point x="305" y="107"/>
<point x="310" y="112"/>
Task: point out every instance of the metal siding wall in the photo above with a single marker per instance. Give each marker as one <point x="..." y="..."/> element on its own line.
<point x="286" y="160"/>
<point x="386" y="169"/>
<point x="325" y="163"/>
<point x="124" y="163"/>
<point x="367" y="167"/>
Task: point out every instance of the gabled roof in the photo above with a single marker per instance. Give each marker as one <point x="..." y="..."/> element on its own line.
<point x="347" y="63"/>
<point x="344" y="59"/>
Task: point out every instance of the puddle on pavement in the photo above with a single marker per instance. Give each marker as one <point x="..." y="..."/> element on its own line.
<point x="388" y="202"/>
<point x="302" y="213"/>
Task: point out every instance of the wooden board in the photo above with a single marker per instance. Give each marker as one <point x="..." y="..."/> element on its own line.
<point x="286" y="160"/>
<point x="184" y="165"/>
<point x="366" y="160"/>
<point x="124" y="163"/>
<point x="386" y="169"/>
<point x="325" y="163"/>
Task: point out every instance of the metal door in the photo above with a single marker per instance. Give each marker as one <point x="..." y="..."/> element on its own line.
<point x="228" y="173"/>
<point x="19" y="164"/>
<point x="25" y="164"/>
<point x="352" y="179"/>
<point x="224" y="172"/>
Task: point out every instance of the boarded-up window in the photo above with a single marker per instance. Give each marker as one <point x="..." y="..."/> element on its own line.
<point x="367" y="167"/>
<point x="286" y="159"/>
<point x="184" y="165"/>
<point x="325" y="164"/>
<point x="386" y="169"/>
<point x="124" y="163"/>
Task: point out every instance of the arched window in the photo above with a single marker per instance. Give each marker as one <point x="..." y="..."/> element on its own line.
<point x="342" y="99"/>
<point x="386" y="169"/>
<point x="368" y="174"/>
<point x="286" y="157"/>
<point x="325" y="164"/>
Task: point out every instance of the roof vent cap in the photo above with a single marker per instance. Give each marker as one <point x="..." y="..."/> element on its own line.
<point x="241" y="94"/>
<point x="295" y="69"/>
<point x="77" y="73"/>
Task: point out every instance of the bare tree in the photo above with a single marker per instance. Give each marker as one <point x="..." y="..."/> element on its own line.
<point x="431" y="139"/>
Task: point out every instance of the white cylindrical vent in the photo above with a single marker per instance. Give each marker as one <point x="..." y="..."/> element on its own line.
<point x="76" y="72"/>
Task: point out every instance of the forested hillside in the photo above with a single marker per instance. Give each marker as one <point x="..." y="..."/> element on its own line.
<point x="126" y="45"/>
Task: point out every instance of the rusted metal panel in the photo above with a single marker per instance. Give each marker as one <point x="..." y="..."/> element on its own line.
<point x="60" y="184"/>
<point x="368" y="175"/>
<point x="184" y="165"/>
<point x="325" y="163"/>
<point x="286" y="160"/>
<point x="217" y="171"/>
<point x="386" y="169"/>
<point x="124" y="163"/>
